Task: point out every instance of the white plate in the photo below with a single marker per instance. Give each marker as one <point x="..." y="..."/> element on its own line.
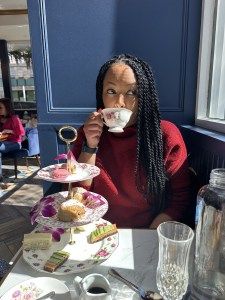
<point x="84" y="172"/>
<point x="38" y="287"/>
<point x="91" y="214"/>
<point x="83" y="255"/>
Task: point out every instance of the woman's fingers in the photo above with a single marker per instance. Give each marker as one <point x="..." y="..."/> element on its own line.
<point x="93" y="129"/>
<point x="94" y="122"/>
<point x="94" y="118"/>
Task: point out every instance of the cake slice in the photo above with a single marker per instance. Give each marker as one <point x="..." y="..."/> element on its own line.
<point x="37" y="240"/>
<point x="56" y="259"/>
<point x="70" y="210"/>
<point x="102" y="232"/>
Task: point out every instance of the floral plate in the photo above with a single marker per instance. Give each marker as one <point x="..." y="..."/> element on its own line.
<point x="91" y="214"/>
<point x="38" y="287"/>
<point x="83" y="255"/>
<point x="84" y="172"/>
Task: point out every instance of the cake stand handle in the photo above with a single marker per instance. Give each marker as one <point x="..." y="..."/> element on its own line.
<point x="72" y="241"/>
<point x="70" y="193"/>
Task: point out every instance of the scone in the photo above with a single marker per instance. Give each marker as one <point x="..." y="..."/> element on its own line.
<point x="70" y="210"/>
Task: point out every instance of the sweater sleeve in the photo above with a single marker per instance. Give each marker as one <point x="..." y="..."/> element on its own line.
<point x="103" y="179"/>
<point x="17" y="127"/>
<point x="76" y="149"/>
<point x="77" y="145"/>
<point x="176" y="166"/>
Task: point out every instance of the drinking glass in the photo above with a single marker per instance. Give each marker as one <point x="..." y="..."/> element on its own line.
<point x="172" y="271"/>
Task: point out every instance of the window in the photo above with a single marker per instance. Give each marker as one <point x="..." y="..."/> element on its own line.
<point x="30" y="95"/>
<point x="22" y="79"/>
<point x="210" y="110"/>
<point x="30" y="82"/>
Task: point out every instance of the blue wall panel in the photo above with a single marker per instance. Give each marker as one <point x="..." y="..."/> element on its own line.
<point x="72" y="39"/>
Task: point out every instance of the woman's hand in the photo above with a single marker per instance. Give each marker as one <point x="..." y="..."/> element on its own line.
<point x="93" y="129"/>
<point x="160" y="219"/>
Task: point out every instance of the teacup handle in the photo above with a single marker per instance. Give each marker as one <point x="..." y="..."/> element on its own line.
<point x="77" y="281"/>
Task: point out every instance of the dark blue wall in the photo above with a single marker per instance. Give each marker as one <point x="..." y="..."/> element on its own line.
<point x="72" y="39"/>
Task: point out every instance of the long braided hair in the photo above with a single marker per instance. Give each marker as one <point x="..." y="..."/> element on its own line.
<point x="149" y="155"/>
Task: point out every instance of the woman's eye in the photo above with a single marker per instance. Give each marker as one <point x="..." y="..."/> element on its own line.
<point x="131" y="92"/>
<point x="111" y="91"/>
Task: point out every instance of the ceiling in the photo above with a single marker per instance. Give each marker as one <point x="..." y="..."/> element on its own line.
<point x="13" y="4"/>
<point x="14" y="26"/>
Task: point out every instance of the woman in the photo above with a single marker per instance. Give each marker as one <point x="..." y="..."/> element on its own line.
<point x="11" y="128"/>
<point x="144" y="172"/>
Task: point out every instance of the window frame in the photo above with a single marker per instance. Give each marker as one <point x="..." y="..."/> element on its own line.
<point x="205" y="48"/>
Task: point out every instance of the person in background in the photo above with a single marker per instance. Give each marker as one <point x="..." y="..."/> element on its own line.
<point x="32" y="123"/>
<point x="11" y="129"/>
<point x="143" y="170"/>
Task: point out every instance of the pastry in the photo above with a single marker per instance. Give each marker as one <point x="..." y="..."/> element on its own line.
<point x="78" y="193"/>
<point x="37" y="240"/>
<point x="70" y="210"/>
<point x="59" y="173"/>
<point x="102" y="232"/>
<point x="71" y="163"/>
<point x="56" y="259"/>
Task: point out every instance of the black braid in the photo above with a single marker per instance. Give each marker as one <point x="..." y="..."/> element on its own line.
<point x="149" y="157"/>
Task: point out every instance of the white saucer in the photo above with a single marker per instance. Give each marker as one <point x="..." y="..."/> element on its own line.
<point x="39" y="287"/>
<point x="115" y="129"/>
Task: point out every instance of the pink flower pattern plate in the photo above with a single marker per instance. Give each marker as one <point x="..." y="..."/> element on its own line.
<point x="83" y="255"/>
<point x="32" y="289"/>
<point x="91" y="214"/>
<point x="84" y="172"/>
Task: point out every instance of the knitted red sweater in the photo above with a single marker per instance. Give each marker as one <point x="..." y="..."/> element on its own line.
<point x="116" y="159"/>
<point x="13" y="123"/>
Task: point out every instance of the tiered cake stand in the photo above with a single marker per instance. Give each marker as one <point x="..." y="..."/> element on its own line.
<point x="83" y="255"/>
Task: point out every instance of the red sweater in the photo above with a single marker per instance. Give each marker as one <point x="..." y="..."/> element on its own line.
<point x="116" y="158"/>
<point x="14" y="123"/>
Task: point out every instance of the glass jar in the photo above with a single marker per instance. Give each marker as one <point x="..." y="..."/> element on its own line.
<point x="209" y="268"/>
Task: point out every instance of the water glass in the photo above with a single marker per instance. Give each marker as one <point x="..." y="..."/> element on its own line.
<point x="174" y="248"/>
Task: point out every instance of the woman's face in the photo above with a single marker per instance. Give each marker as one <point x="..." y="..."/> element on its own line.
<point x="120" y="89"/>
<point x="2" y="110"/>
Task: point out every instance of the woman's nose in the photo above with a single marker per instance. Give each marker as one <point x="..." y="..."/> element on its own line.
<point x="120" y="101"/>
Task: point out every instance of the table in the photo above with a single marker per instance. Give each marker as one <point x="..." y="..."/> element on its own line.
<point x="136" y="258"/>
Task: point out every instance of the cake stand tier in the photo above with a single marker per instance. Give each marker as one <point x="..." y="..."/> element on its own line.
<point x="83" y="172"/>
<point x="91" y="214"/>
<point x="83" y="254"/>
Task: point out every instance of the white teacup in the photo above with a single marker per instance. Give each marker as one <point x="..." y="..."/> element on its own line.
<point x="93" y="287"/>
<point x="116" y="118"/>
